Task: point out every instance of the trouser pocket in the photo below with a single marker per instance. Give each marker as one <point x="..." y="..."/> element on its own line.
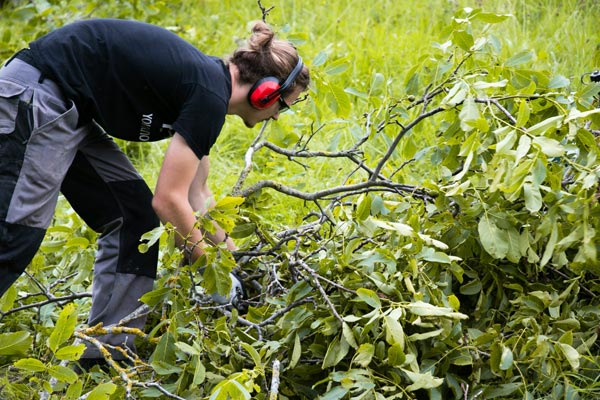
<point x="16" y="121"/>
<point x="10" y="93"/>
<point x="49" y="151"/>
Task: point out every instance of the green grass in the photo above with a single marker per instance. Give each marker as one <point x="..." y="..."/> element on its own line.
<point x="386" y="37"/>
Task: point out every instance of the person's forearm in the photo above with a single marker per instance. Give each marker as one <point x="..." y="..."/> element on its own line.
<point x="219" y="236"/>
<point x="183" y="220"/>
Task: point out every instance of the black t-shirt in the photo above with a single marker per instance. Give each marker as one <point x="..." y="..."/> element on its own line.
<point x="138" y="81"/>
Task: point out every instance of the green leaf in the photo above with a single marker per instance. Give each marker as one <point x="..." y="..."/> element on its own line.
<point x="559" y="81"/>
<point x="164" y="368"/>
<point x="524" y="113"/>
<point x="400" y="228"/>
<point x="363" y="207"/>
<point x="349" y="335"/>
<point x="501" y="391"/>
<point x="63" y="374"/>
<point x="571" y="355"/>
<point x="538" y="173"/>
<point x="30" y="364"/>
<point x="186" y="348"/>
<point x="337" y="66"/>
<point x="65" y="326"/>
<point x="14" y="343"/>
<point x="165" y="350"/>
<point x="229" y="203"/>
<point x="423" y="309"/>
<point x="396" y="355"/>
<point x="461" y="357"/>
<point x="336" y="352"/>
<point x="296" y="352"/>
<point x="523" y="147"/>
<point x="8" y="299"/>
<point x="505" y="145"/>
<point x="469" y="115"/>
<point x="377" y="84"/>
<point x="339" y="101"/>
<point x="300" y="290"/>
<point x="471" y="288"/>
<point x="549" y="123"/>
<point x="428" y="254"/>
<point x="394" y="334"/>
<point x="70" y="353"/>
<point x="364" y="355"/>
<point x="319" y="59"/>
<point x="533" y="197"/>
<point x="506" y="359"/>
<point x="491" y="18"/>
<point x="156" y="296"/>
<point x="217" y="279"/>
<point x="253" y="354"/>
<point x="456" y="95"/>
<point x="492" y="238"/>
<point x="336" y="393"/>
<point x="102" y="391"/>
<point x="369" y="297"/>
<point x="479" y="85"/>
<point x="422" y="381"/>
<point x="550" y="246"/>
<point x="199" y="371"/>
<point x="74" y="391"/>
<point x="519" y="59"/>
<point x="463" y="39"/>
<point x="152" y="237"/>
<point x="230" y="389"/>
<point x="550" y="147"/>
<point x="425" y="335"/>
<point x="243" y="230"/>
<point x="454" y="302"/>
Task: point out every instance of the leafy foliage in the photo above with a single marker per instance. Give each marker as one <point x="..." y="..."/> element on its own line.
<point x="430" y="237"/>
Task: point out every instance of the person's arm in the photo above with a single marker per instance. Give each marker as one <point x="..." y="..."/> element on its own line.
<point x="171" y="202"/>
<point x="182" y="189"/>
<point x="201" y="199"/>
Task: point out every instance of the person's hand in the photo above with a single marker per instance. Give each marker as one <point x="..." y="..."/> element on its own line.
<point x="237" y="295"/>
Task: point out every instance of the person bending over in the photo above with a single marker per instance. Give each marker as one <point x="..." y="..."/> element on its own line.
<point x="64" y="97"/>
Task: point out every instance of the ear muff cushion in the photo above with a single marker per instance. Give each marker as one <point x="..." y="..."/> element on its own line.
<point x="259" y="94"/>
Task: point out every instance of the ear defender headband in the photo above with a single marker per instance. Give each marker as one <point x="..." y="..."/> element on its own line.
<point x="268" y="90"/>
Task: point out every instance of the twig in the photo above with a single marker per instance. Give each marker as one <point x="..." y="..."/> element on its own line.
<point x="316" y="282"/>
<point x="265" y="11"/>
<point x="248" y="159"/>
<point x="495" y="102"/>
<point x="309" y="154"/>
<point x="275" y="381"/>
<point x="372" y="185"/>
<point x="108" y="357"/>
<point x="277" y="314"/>
<point x="52" y="299"/>
<point x="161" y="389"/>
<point x="400" y="135"/>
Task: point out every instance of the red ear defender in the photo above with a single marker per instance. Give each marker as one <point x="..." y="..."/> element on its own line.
<point x="268" y="90"/>
<point x="264" y="92"/>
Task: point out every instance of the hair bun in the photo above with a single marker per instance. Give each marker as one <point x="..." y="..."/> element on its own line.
<point x="261" y="38"/>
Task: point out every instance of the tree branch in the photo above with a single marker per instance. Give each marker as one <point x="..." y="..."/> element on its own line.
<point x="50" y="300"/>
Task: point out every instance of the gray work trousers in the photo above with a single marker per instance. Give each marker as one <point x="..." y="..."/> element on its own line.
<point x="43" y="151"/>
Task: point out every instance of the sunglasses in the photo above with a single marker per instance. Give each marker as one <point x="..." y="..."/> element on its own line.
<point x="283" y="106"/>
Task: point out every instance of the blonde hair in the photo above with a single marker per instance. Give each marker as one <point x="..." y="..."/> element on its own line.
<point x="264" y="55"/>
